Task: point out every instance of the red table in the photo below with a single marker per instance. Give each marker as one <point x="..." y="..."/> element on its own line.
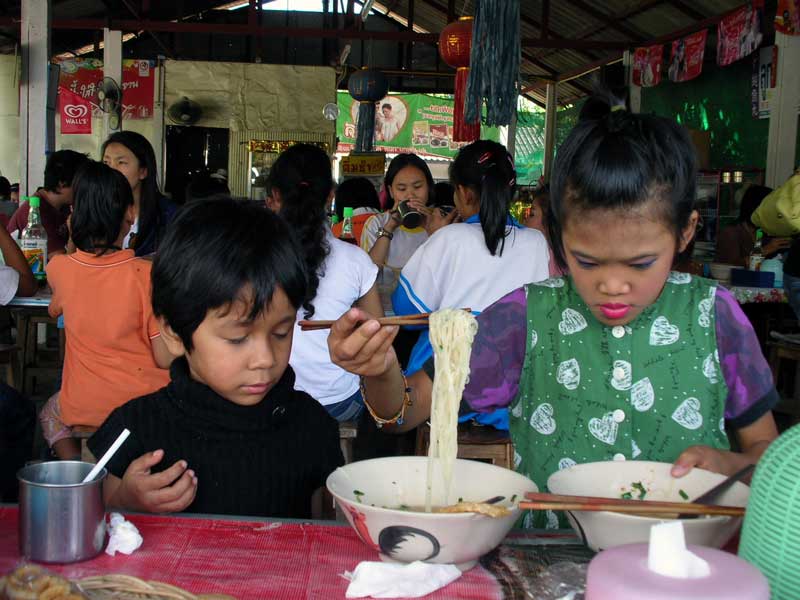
<point x="244" y="558"/>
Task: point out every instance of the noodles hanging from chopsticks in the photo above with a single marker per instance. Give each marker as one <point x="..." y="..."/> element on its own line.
<point x="451" y="334"/>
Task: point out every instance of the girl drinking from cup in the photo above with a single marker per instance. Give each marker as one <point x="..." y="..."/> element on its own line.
<point x="622" y="359"/>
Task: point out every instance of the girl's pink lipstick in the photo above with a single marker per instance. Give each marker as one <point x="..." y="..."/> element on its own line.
<point x="614" y="311"/>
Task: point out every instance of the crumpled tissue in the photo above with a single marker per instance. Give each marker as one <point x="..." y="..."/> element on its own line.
<point x="394" y="580"/>
<point x="122" y="535"/>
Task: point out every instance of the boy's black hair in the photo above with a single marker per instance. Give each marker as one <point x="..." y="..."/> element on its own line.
<point x="620" y="162"/>
<point x="487" y="169"/>
<point x="101" y="198"/>
<point x="356" y="192"/>
<point x="302" y="175"/>
<point x="203" y="186"/>
<point x="5" y="187"/>
<point x="443" y="194"/>
<point x="61" y="167"/>
<point x="386" y="105"/>
<point x="214" y="253"/>
<point x="400" y="162"/>
<point x="752" y="198"/>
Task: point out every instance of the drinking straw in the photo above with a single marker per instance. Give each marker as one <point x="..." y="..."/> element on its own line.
<point x="107" y="456"/>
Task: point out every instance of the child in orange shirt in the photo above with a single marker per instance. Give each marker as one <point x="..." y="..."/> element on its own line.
<point x="114" y="350"/>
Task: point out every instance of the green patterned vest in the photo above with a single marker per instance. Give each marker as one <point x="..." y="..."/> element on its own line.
<point x="589" y="392"/>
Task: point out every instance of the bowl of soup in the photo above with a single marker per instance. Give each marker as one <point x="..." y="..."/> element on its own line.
<point x="384" y="500"/>
<point x="644" y="480"/>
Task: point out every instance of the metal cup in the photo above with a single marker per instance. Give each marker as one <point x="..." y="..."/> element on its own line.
<point x="61" y="520"/>
<point x="409" y="216"/>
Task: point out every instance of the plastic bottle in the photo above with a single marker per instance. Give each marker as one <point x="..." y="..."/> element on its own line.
<point x="347" y="226"/>
<point x="33" y="240"/>
<point x="757" y="255"/>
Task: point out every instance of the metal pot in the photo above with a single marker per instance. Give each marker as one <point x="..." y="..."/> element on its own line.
<point x="61" y="520"/>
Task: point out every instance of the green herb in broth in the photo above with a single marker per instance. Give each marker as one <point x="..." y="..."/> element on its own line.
<point x="514" y="497"/>
<point x="358" y="494"/>
<point x="683" y="495"/>
<point x="626" y="496"/>
<point x="642" y="491"/>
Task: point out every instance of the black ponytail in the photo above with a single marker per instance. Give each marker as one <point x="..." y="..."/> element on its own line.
<point x="302" y="176"/>
<point x="487" y="169"/>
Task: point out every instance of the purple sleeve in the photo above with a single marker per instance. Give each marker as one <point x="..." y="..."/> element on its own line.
<point x="751" y="391"/>
<point x="498" y="353"/>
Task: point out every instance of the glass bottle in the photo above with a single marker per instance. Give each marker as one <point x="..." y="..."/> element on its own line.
<point x="347" y="226"/>
<point x="757" y="255"/>
<point x="33" y="240"/>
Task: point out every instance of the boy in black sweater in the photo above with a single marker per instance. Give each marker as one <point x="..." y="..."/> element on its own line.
<point x="229" y="434"/>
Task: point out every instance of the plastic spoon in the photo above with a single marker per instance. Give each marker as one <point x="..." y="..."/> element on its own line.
<point x="107" y="456"/>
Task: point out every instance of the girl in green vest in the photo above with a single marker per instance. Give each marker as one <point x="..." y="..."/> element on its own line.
<point x="622" y="359"/>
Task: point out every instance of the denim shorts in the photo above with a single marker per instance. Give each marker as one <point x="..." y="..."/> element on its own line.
<point x="347" y="410"/>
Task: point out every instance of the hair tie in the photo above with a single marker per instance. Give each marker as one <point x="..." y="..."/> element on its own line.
<point x="303" y="184"/>
<point x="484" y="157"/>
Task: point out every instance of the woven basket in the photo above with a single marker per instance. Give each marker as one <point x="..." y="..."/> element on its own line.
<point x="125" y="587"/>
<point x="771" y="531"/>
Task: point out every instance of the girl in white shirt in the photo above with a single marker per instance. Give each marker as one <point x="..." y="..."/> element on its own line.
<point x="340" y="276"/>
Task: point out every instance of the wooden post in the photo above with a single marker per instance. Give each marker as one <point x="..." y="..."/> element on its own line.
<point x="781" y="159"/>
<point x="550" y="129"/>
<point x="36" y="127"/>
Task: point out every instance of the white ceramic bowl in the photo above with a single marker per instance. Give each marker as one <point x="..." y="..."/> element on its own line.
<point x="611" y="479"/>
<point x="722" y="271"/>
<point x="372" y="492"/>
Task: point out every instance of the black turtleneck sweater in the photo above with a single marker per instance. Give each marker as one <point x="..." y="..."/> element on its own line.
<point x="262" y="460"/>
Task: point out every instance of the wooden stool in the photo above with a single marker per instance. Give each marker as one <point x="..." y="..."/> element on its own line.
<point x="475" y="442"/>
<point x="779" y="352"/>
<point x="32" y="363"/>
<point x="8" y="356"/>
<point x="83" y="433"/>
<point x="347" y="433"/>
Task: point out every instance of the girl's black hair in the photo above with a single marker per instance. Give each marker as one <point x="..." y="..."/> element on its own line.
<point x="101" y="198"/>
<point x="752" y="198"/>
<point x="219" y="251"/>
<point x="356" y="193"/>
<point x="487" y="169"/>
<point x="150" y="218"/>
<point x="621" y="161"/>
<point x="302" y="175"/>
<point x="400" y="162"/>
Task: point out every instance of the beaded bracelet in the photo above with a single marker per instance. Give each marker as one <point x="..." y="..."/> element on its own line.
<point x="398" y="418"/>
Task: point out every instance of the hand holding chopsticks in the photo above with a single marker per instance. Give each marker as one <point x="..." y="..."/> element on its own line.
<point x="543" y="501"/>
<point x="418" y="319"/>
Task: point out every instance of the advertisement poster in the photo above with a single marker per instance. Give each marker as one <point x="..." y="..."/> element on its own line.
<point x="740" y="33"/>
<point x="416" y="123"/>
<point x="82" y="76"/>
<point x="764" y="72"/>
<point x="76" y="112"/>
<point x="687" y="57"/>
<point x="647" y="65"/>
<point x="787" y="17"/>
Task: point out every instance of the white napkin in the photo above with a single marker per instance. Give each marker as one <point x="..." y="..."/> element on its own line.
<point x="668" y="555"/>
<point x="395" y="580"/>
<point x="122" y="535"/>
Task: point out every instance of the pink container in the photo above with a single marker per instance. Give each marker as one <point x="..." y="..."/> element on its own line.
<point x="621" y="573"/>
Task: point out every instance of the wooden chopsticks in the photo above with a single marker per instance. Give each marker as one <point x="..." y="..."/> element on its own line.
<point x="418" y="319"/>
<point x="543" y="501"/>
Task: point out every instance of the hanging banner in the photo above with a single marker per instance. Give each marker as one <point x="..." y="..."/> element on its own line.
<point x="415" y="123"/>
<point x="82" y="76"/>
<point x="687" y="57"/>
<point x="787" y="17"/>
<point x="739" y="34"/>
<point x="76" y="112"/>
<point x="763" y="82"/>
<point x="647" y="65"/>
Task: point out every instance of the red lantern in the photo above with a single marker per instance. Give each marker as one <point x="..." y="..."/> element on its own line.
<point x="455" y="44"/>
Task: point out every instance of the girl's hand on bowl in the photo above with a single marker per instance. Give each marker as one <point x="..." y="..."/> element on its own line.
<point x="359" y="344"/>
<point x="708" y="458"/>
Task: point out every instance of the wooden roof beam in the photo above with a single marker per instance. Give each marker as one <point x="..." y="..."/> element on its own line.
<point x="688" y="10"/>
<point x="608" y="20"/>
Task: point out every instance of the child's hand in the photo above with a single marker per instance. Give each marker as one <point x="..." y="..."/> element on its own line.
<point x="171" y="490"/>
<point x="438" y="219"/>
<point x="710" y="459"/>
<point x="365" y="348"/>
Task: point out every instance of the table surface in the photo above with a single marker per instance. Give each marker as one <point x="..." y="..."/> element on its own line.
<point x="266" y="558"/>
<point x="42" y="298"/>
